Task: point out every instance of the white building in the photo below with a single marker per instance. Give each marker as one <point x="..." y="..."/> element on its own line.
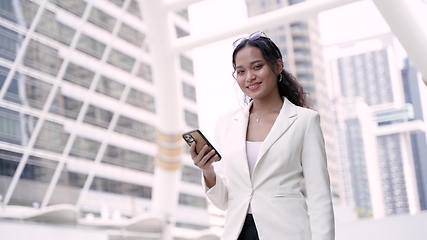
<point x="79" y="106"/>
<point x="374" y="128"/>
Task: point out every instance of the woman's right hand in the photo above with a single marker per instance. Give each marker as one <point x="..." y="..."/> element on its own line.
<point x="204" y="160"/>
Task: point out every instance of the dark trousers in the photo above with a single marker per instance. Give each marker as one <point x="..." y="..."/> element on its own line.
<point x="249" y="231"/>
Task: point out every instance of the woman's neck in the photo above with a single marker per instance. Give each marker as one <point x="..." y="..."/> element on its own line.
<point x="265" y="106"/>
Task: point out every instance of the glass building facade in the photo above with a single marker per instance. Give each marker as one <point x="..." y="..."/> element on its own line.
<point x="78" y="110"/>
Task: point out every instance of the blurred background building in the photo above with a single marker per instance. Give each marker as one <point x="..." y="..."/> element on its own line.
<point x="379" y="148"/>
<point x="80" y="115"/>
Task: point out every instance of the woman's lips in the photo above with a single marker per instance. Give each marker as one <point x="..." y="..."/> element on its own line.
<point x="253" y="86"/>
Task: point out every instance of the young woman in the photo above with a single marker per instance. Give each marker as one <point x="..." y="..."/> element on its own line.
<point x="269" y="149"/>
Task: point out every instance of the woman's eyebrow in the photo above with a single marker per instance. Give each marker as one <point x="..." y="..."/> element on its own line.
<point x="256" y="61"/>
<point x="252" y="63"/>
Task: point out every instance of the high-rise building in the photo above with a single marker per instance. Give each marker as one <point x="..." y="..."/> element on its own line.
<point x="375" y="124"/>
<point x="78" y="113"/>
<point x="302" y="51"/>
<point x="412" y="85"/>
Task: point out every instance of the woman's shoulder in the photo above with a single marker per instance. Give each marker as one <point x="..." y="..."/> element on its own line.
<point x="230" y="115"/>
<point x="304" y="111"/>
<point x="307" y="113"/>
<point x="233" y="112"/>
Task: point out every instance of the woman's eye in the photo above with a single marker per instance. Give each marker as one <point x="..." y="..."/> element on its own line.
<point x="240" y="72"/>
<point x="257" y="67"/>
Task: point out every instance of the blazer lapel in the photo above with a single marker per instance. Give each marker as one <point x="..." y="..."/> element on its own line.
<point x="238" y="135"/>
<point x="286" y="118"/>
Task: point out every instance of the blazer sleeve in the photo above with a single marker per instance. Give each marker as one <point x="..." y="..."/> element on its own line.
<point x="218" y="194"/>
<point x="314" y="163"/>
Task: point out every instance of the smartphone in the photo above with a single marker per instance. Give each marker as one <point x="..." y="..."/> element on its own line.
<point x="198" y="137"/>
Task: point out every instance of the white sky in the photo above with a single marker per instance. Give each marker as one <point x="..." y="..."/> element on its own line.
<point x="215" y="87"/>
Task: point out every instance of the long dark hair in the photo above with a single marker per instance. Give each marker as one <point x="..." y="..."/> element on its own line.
<point x="288" y="87"/>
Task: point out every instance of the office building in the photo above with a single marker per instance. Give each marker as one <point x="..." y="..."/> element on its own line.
<point x="78" y="116"/>
<point x="413" y="87"/>
<point x="375" y="123"/>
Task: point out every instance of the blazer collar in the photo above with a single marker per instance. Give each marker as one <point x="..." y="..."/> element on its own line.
<point x="286" y="117"/>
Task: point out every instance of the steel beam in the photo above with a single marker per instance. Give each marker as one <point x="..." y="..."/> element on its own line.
<point x="281" y="16"/>
<point x="405" y="21"/>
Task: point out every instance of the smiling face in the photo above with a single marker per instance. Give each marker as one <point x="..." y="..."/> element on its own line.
<point x="255" y="76"/>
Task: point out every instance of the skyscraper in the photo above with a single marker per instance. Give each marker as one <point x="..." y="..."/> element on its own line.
<point x="376" y="125"/>
<point x="412" y="85"/>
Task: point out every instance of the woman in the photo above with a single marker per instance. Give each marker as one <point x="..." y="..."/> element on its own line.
<point x="269" y="148"/>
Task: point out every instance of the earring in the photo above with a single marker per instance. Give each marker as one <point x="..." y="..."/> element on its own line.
<point x="280" y="78"/>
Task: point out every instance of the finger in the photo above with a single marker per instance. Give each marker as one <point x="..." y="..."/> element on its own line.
<point x="200" y="159"/>
<point x="193" y="150"/>
<point x="209" y="157"/>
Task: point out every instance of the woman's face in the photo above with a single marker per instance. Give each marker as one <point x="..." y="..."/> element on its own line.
<point x="254" y="76"/>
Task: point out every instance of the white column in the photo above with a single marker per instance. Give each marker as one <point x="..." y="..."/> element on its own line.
<point x="160" y="33"/>
<point x="370" y="148"/>
<point x="409" y="26"/>
<point x="409" y="171"/>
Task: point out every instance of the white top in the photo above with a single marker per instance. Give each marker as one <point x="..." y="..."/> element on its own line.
<point x="252" y="149"/>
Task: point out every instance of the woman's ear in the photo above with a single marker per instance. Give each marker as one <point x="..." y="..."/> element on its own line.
<point x="279" y="66"/>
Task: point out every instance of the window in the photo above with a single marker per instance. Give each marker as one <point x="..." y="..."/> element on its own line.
<point x="76" y="7"/>
<point x="134" y="9"/>
<point x="42" y="58"/>
<point x="181" y="32"/>
<point x="78" y="75"/>
<point x="85" y="148"/>
<point x="186" y="64"/>
<point x="98" y="116"/>
<point x="9" y="43"/>
<point x="29" y="10"/>
<point x="136" y="129"/>
<point x="6" y="11"/>
<point x="121" y="60"/>
<point x="191" y="119"/>
<point x="144" y="71"/>
<point x="51" y="28"/>
<point x="9" y="162"/>
<point x="110" y="87"/>
<point x="117" y="2"/>
<point x="52" y="137"/>
<point x="141" y="99"/>
<point x="91" y="46"/>
<point x="190" y="200"/>
<point x="292" y="2"/>
<point x="189" y="91"/>
<point x="191" y="174"/>
<point x="183" y="13"/>
<point x="128" y="159"/>
<point x="65" y="106"/>
<point x="102" y="19"/>
<point x="10" y="127"/>
<point x="36" y="91"/>
<point x="131" y="35"/>
<point x="122" y="188"/>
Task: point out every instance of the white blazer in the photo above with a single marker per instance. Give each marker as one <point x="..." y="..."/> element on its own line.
<point x="292" y="152"/>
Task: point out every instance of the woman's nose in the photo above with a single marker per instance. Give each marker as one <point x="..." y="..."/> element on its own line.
<point x="250" y="76"/>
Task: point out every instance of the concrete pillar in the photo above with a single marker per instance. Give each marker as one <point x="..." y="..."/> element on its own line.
<point x="160" y="33"/>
